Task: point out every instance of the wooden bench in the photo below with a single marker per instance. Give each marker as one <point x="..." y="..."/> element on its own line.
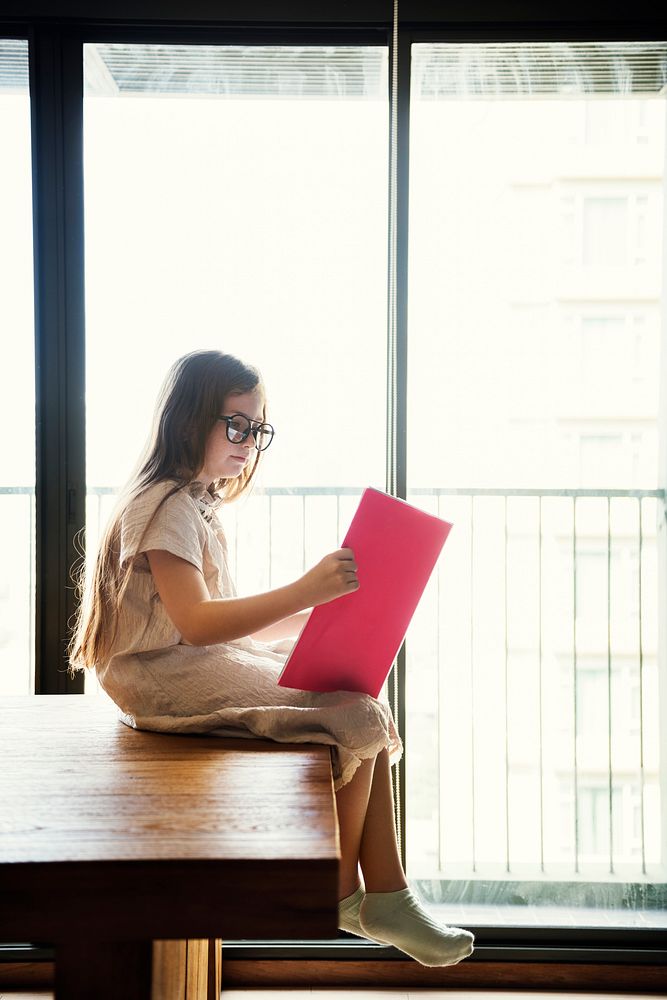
<point x="136" y="853"/>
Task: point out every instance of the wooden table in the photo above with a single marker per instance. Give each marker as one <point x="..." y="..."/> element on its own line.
<point x="112" y="839"/>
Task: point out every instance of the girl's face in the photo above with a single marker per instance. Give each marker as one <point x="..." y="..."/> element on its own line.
<point x="222" y="459"/>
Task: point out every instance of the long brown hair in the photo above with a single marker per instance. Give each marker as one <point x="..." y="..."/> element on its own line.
<point x="188" y="406"/>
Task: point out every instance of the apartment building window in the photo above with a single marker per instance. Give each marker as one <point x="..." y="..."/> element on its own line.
<point x="607" y="349"/>
<point x="618" y="344"/>
<point x="594" y="812"/>
<point x="605" y="232"/>
<point x="17" y="399"/>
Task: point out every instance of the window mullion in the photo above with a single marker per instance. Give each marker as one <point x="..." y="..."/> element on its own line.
<point x="397" y="367"/>
<point x="56" y="103"/>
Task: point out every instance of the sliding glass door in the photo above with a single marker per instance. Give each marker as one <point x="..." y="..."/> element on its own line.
<point x="536" y="305"/>
<point x="236" y="198"/>
<point x="17" y="399"/>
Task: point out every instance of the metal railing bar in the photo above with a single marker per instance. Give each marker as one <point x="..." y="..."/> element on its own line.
<point x="99" y="512"/>
<point x="419" y="491"/>
<point x="609" y="693"/>
<point x="541" y="683"/>
<point x="642" y="776"/>
<point x="507" y="754"/>
<point x="438" y="720"/>
<point x="309" y="491"/>
<point x="472" y="677"/>
<point x="236" y="546"/>
<point x="270" y="540"/>
<point x="32" y="530"/>
<point x="574" y="685"/>
<point x="492" y="492"/>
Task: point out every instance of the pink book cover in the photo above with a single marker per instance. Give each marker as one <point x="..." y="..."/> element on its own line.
<point x="351" y="643"/>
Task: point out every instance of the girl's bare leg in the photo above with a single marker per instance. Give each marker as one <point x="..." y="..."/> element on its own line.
<point x="388" y="912"/>
<point x="351" y="805"/>
<point x="378" y="851"/>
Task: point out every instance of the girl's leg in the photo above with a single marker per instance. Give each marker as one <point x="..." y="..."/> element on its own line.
<point x="389" y="912"/>
<point x="378" y="853"/>
<point x="351" y="805"/>
<point x="378" y="849"/>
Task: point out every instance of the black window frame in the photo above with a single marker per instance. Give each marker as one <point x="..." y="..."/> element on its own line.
<point x="56" y="42"/>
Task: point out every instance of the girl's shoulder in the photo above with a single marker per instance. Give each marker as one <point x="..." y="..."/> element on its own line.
<point x="146" y="503"/>
<point x="171" y="499"/>
<point x="163" y="515"/>
<point x="151" y="495"/>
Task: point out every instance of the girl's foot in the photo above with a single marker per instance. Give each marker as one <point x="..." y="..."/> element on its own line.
<point x="397" y="918"/>
<point x="348" y="914"/>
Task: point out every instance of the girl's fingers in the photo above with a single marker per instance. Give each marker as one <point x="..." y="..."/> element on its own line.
<point x="347" y="555"/>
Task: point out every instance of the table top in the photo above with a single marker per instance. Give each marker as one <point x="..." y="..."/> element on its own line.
<point x="94" y="810"/>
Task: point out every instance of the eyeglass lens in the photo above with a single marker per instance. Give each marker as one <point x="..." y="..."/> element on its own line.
<point x="239" y="426"/>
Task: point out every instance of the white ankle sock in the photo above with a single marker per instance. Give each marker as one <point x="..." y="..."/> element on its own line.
<point x="397" y="918"/>
<point x="348" y="914"/>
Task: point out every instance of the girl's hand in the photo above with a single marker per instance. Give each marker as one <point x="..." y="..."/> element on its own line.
<point x="332" y="577"/>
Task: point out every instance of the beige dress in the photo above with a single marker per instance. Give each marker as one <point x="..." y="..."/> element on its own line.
<point x="160" y="682"/>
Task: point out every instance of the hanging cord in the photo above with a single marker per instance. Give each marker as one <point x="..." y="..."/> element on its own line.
<point x="392" y="314"/>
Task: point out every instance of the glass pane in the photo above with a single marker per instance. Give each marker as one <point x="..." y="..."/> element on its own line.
<point x="17" y="400"/>
<point x="236" y="198"/>
<point x="535" y="312"/>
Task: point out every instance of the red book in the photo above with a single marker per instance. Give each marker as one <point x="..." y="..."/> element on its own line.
<point x="351" y="643"/>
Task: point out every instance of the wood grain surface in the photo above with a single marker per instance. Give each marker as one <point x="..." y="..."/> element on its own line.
<point x="186" y="970"/>
<point x="281" y="974"/>
<point x="105" y="830"/>
<point x="261" y="976"/>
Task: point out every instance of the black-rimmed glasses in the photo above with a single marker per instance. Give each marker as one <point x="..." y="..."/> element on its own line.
<point x="239" y="427"/>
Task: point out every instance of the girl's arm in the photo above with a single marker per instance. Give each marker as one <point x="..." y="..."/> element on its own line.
<point x="283" y="629"/>
<point x="203" y="620"/>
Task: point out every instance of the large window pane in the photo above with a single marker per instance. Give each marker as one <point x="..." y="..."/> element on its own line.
<point x="236" y="198"/>
<point x="17" y="399"/>
<point x="535" y="314"/>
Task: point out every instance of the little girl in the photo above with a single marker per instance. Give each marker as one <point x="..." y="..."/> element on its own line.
<point x="178" y="651"/>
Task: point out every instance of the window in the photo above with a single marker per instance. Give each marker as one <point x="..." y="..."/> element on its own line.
<point x="606" y="349"/>
<point x="529" y="332"/>
<point x="17" y="399"/>
<point x="236" y="197"/>
<point x="605" y="232"/>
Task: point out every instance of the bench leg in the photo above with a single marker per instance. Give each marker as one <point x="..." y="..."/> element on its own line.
<point x="103" y="970"/>
<point x="187" y="970"/>
<point x="143" y="970"/>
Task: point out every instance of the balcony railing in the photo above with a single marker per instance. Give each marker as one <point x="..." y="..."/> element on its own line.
<point x="538" y="683"/>
<point x="532" y="693"/>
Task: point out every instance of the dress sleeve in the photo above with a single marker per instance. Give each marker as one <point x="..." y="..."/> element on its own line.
<point x="174" y="525"/>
